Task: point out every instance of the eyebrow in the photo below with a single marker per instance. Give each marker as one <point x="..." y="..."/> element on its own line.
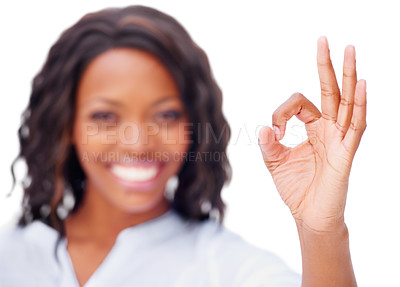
<point x="108" y="101"/>
<point x="160" y="101"/>
<point x="115" y="103"/>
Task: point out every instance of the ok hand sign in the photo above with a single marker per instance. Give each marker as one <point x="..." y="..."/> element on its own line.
<point x="312" y="178"/>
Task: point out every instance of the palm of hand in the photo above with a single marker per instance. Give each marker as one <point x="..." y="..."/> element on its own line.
<point x="308" y="170"/>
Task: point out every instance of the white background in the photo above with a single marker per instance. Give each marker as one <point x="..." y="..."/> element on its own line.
<point x="261" y="52"/>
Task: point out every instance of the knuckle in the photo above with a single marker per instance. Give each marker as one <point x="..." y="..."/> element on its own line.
<point x="349" y="72"/>
<point x="358" y="127"/>
<point x="329" y="94"/>
<point x="360" y="105"/>
<point x="340" y="127"/>
<point x="329" y="91"/>
<point x="325" y="90"/>
<point x="346" y="102"/>
<point x="327" y="63"/>
<point x="327" y="117"/>
<point x="297" y="96"/>
<point x="279" y="120"/>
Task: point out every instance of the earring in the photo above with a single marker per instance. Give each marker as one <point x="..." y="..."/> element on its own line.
<point x="171" y="187"/>
<point x="205" y="207"/>
<point x="45" y="210"/>
<point x="28" y="216"/>
<point x="67" y="203"/>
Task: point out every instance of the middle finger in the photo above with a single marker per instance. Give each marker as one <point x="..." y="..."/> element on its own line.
<point x="348" y="88"/>
<point x="330" y="93"/>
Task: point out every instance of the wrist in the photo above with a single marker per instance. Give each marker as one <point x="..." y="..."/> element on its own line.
<point x="321" y="225"/>
<point x="334" y="236"/>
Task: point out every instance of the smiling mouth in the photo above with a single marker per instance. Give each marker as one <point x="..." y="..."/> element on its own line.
<point x="134" y="172"/>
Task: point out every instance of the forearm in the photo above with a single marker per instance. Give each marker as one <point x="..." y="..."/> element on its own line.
<point x="326" y="257"/>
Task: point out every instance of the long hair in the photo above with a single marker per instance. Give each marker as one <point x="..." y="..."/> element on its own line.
<point x="47" y="122"/>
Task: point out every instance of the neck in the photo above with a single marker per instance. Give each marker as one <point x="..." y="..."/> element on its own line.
<point x="100" y="220"/>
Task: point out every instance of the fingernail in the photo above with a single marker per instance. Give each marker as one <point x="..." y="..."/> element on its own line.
<point x="277" y="133"/>
<point x="364" y="82"/>
<point x="350" y="52"/>
<point x="323" y="48"/>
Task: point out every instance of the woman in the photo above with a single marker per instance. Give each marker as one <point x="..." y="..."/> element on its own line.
<point x="124" y="105"/>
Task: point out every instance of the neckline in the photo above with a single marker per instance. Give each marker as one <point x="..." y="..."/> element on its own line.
<point x="150" y="232"/>
<point x="153" y="228"/>
<point x="168" y="217"/>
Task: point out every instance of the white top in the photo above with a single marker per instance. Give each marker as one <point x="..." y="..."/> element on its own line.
<point x="165" y="251"/>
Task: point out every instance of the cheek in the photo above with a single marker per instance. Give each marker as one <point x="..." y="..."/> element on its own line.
<point x="93" y="136"/>
<point x="91" y="144"/>
<point x="177" y="140"/>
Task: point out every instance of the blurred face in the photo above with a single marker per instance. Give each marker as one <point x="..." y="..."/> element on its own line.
<point x="130" y="129"/>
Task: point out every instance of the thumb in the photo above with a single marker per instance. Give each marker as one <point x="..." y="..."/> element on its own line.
<point x="272" y="150"/>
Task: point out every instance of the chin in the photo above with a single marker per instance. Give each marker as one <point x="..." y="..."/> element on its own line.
<point x="143" y="206"/>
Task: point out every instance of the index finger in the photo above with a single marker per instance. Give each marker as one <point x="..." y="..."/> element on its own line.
<point x="297" y="105"/>
<point x="330" y="93"/>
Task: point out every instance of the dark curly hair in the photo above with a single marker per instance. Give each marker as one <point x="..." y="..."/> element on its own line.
<point x="47" y="122"/>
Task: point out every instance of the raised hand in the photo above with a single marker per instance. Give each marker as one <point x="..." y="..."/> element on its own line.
<point x="312" y="178"/>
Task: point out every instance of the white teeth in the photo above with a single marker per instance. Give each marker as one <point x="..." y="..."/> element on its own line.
<point x="131" y="173"/>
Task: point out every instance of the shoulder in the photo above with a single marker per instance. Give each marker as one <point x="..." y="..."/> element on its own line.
<point x="35" y="235"/>
<point x="239" y="262"/>
<point x="26" y="250"/>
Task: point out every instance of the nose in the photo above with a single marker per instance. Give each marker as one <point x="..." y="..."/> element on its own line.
<point x="139" y="138"/>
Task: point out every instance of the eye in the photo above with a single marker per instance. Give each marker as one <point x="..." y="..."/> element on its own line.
<point x="169" y="115"/>
<point x="104" y="117"/>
